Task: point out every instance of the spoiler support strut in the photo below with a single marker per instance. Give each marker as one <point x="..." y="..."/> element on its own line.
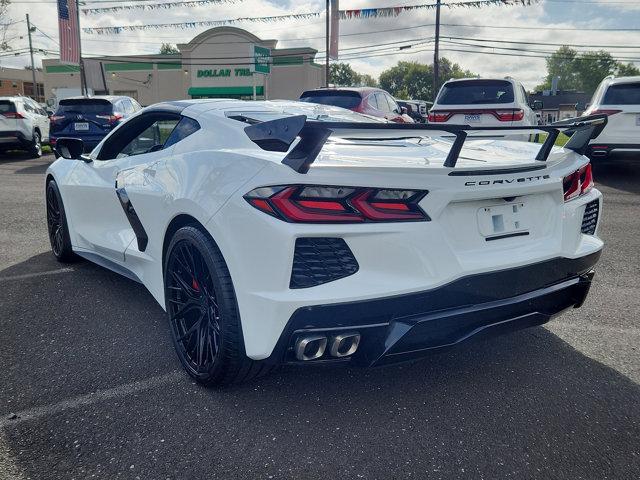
<point x="278" y="135"/>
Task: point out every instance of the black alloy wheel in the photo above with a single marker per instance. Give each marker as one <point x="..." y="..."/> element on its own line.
<point x="194" y="313"/>
<point x="57" y="224"/>
<point x="203" y="312"/>
<point x="36" y="146"/>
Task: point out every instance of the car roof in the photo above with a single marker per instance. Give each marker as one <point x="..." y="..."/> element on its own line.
<point x="468" y="79"/>
<point x="614" y="80"/>
<point x="110" y="98"/>
<point x="360" y="90"/>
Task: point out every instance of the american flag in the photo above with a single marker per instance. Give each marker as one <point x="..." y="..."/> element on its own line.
<point x="69" y="32"/>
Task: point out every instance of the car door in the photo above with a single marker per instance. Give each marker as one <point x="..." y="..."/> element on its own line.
<point x="98" y="217"/>
<point x="43" y="121"/>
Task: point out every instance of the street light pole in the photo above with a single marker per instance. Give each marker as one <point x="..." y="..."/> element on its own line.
<point x="33" y="66"/>
<point x="326" y="65"/>
<point x="436" y="53"/>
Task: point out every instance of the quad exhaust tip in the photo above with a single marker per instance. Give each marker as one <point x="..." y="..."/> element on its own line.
<point x="313" y="347"/>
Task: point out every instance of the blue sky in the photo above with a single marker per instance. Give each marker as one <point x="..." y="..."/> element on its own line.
<point x="477" y="24"/>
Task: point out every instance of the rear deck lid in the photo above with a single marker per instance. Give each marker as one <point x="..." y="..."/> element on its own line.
<point x="80" y="116"/>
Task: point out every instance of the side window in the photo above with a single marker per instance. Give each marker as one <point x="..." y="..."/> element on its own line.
<point x="373" y="101"/>
<point x="136" y="105"/>
<point x="127" y="106"/>
<point x="183" y="129"/>
<point x="143" y="134"/>
<point x="393" y="106"/>
<point x="27" y="107"/>
<point x="383" y="106"/>
<point x="525" y="97"/>
<point x="151" y="139"/>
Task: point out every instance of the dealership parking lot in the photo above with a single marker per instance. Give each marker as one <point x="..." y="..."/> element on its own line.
<point x="91" y="386"/>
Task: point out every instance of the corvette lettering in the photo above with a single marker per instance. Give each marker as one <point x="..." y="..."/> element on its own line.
<point x="506" y="181"/>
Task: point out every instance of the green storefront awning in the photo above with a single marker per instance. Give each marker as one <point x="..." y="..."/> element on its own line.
<point x="224" y="91"/>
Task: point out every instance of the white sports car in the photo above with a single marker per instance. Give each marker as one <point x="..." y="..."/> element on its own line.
<point x="283" y="232"/>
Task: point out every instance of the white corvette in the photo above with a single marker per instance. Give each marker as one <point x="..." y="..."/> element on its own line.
<point x="281" y="232"/>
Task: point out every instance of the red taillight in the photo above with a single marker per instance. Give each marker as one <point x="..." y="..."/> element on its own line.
<point x="439" y="117"/>
<point x="331" y="204"/>
<point x="578" y="183"/>
<point x="14" y="115"/>
<point x="509" y="115"/>
<point x="604" y="112"/>
<point x="112" y="118"/>
<point x="55" y="118"/>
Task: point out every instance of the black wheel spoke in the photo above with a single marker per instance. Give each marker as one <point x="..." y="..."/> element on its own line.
<point x="189" y="290"/>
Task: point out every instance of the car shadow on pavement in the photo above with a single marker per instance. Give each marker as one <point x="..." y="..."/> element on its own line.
<point x="620" y="172"/>
<point x="525" y="405"/>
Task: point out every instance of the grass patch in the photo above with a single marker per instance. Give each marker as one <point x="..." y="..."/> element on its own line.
<point x="540" y="138"/>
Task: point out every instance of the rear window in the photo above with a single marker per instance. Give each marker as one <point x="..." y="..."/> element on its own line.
<point x="338" y="98"/>
<point x="476" y="92"/>
<point x="85" y="105"/>
<point x="622" y="94"/>
<point x="7" y="106"/>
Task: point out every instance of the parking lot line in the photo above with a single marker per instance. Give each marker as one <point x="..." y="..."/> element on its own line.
<point x="9" y="418"/>
<point x="35" y="274"/>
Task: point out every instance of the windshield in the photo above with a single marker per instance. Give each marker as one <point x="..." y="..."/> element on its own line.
<point x="85" y="105"/>
<point x="476" y="92"/>
<point x="623" y="94"/>
<point x="337" y="98"/>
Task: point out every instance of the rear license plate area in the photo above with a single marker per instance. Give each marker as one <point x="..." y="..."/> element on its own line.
<point x="472" y="118"/>
<point x="81" y="126"/>
<point x="638" y="120"/>
<point x="502" y="221"/>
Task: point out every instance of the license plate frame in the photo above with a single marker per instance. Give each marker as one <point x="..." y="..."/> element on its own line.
<point x="81" y="126"/>
<point x="637" y="119"/>
<point x="472" y="117"/>
<point x="502" y="220"/>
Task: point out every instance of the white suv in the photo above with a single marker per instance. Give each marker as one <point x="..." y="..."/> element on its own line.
<point x="619" y="99"/>
<point x="483" y="102"/>
<point x="23" y="125"/>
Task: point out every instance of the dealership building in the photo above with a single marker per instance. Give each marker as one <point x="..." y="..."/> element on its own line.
<point x="223" y="62"/>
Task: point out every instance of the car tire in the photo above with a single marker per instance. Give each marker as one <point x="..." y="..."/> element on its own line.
<point x="35" y="148"/>
<point x="203" y="312"/>
<point x="57" y="227"/>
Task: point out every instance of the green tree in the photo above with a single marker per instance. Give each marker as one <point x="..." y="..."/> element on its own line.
<point x="627" y="70"/>
<point x="591" y="68"/>
<point x="415" y="80"/>
<point x="561" y="64"/>
<point x="168" y="49"/>
<point x="367" y="80"/>
<point x="582" y="71"/>
<point x="5" y="23"/>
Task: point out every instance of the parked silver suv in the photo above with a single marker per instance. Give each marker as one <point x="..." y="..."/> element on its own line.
<point x="24" y="125"/>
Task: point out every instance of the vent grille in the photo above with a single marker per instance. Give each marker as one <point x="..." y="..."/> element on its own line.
<point x="590" y="218"/>
<point x="321" y="260"/>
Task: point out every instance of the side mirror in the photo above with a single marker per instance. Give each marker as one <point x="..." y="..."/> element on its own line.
<point x="403" y="110"/>
<point x="70" y="148"/>
<point x="537" y="105"/>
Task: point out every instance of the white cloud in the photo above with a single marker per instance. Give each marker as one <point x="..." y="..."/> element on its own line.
<point x="310" y="33"/>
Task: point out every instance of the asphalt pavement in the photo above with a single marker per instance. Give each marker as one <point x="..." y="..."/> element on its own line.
<point x="90" y="386"/>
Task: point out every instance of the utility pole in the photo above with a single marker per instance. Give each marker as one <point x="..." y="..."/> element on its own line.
<point x="326" y="65"/>
<point x="83" y="78"/>
<point x="436" y="53"/>
<point x="33" y="66"/>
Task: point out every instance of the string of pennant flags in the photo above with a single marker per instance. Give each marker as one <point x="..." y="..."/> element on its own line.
<point x="154" y="6"/>
<point x="364" y="13"/>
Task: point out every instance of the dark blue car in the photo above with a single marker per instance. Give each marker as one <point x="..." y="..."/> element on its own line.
<point x="90" y="118"/>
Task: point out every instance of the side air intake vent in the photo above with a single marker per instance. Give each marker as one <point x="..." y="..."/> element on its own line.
<point x="321" y="260"/>
<point x="590" y="218"/>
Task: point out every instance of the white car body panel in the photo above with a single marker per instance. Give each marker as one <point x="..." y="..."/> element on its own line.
<point x="206" y="175"/>
<point x="35" y="117"/>
<point x="623" y="128"/>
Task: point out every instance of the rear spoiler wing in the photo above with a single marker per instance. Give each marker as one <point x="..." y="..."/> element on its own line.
<point x="278" y="135"/>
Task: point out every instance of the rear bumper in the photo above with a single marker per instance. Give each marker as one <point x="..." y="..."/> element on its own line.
<point x="602" y="149"/>
<point x="13" y="137"/>
<point x="406" y="327"/>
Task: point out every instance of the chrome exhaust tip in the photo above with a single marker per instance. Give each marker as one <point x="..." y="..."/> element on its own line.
<point x="311" y="347"/>
<point x="344" y="344"/>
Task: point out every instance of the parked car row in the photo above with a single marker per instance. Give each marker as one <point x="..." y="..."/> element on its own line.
<point x="26" y="125"/>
